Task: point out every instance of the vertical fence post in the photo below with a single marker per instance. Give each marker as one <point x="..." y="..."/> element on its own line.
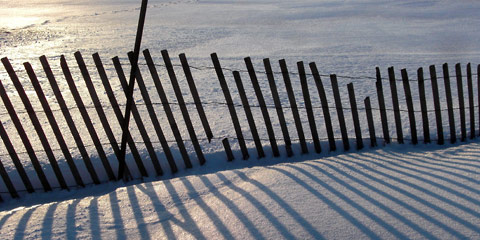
<point x="99" y="109"/>
<point x="448" y="92"/>
<point x="371" y="125"/>
<point x="263" y="106"/>
<point x="470" y="101"/>
<point x="381" y="105"/>
<point x="53" y="124"/>
<point x="183" y="107"/>
<point x="248" y="114"/>
<point x="141" y="127"/>
<point x="156" y="123"/>
<point x="231" y="107"/>
<point x="36" y="123"/>
<point x="293" y="105"/>
<point x="86" y="118"/>
<point x="308" y="106"/>
<point x="461" y="102"/>
<point x="325" y="108"/>
<point x="118" y="113"/>
<point x="21" y="132"/>
<point x="396" y="108"/>
<point x="356" y="120"/>
<point x="411" y="110"/>
<point x="228" y="149"/>
<point x="341" y="118"/>
<point x="436" y="102"/>
<point x="131" y="87"/>
<point x="196" y="97"/>
<point x="278" y="106"/>
<point x="15" y="159"/>
<point x="423" y="106"/>
<point x="68" y="117"/>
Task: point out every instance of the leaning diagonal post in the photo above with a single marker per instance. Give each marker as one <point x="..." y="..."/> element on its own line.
<point x="131" y="84"/>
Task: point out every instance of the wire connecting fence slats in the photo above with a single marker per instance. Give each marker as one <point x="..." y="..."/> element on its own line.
<point x="307" y="103"/>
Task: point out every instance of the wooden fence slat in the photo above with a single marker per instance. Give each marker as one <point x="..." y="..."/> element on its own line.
<point x="21" y="132"/>
<point x="338" y="106"/>
<point x="381" y="104"/>
<point x="356" y="120"/>
<point x="248" y="114"/>
<point x="308" y="106"/>
<point x="141" y="127"/>
<point x="15" y="159"/>
<point x="325" y="108"/>
<point x="228" y="149"/>
<point x="448" y="92"/>
<point x="181" y="103"/>
<point x="371" y="125"/>
<point x="293" y="106"/>
<point x="461" y="102"/>
<point x="278" y="106"/>
<point x="470" y="101"/>
<point x="167" y="109"/>
<point x="231" y="107"/>
<point x="436" y="102"/>
<point x="423" y="106"/>
<point x="196" y="97"/>
<point x="36" y="123"/>
<point x="53" y="123"/>
<point x="69" y="120"/>
<point x="7" y="181"/>
<point x="263" y="106"/>
<point x="411" y="110"/>
<point x="118" y="114"/>
<point x="396" y="108"/>
<point x="154" y="119"/>
<point x="99" y="108"/>
<point x="478" y="93"/>
<point x="86" y="118"/>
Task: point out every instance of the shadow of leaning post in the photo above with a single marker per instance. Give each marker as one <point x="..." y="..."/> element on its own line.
<point x="164" y="216"/>
<point x="230" y="205"/>
<point x="307" y="226"/>
<point x="214" y="218"/>
<point x="189" y="224"/>
<point x="348" y="199"/>
<point x="261" y="208"/>
<point x="331" y="204"/>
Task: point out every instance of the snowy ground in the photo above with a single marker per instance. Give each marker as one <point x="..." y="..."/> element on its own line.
<point x="343" y="37"/>
<point x="423" y="192"/>
<point x="414" y="192"/>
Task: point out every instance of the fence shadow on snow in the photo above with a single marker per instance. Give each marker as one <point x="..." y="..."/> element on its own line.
<point x="272" y="142"/>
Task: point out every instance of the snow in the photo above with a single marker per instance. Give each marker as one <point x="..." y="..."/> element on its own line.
<point x="398" y="192"/>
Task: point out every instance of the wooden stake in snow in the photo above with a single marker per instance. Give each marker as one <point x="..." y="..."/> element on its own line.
<point x="131" y="85"/>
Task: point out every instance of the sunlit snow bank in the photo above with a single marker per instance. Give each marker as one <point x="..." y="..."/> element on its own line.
<point x="394" y="192"/>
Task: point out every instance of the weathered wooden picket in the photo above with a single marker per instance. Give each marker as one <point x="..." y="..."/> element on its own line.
<point x="354" y="108"/>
